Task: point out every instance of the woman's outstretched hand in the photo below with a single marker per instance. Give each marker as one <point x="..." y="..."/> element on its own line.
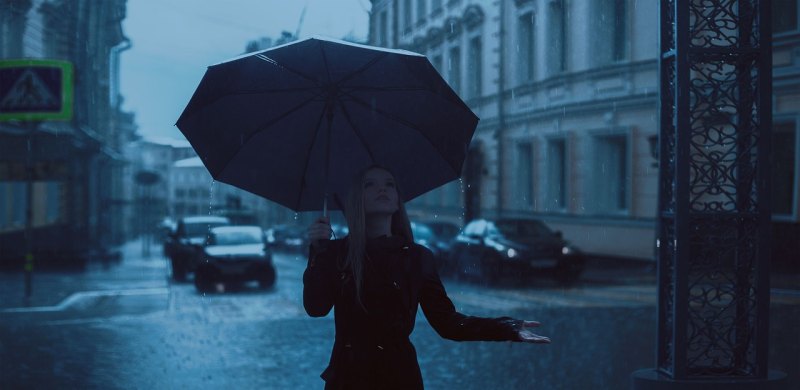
<point x="319" y="230"/>
<point x="526" y="335"/>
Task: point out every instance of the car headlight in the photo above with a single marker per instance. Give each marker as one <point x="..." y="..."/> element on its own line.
<point x="511" y="253"/>
<point x="567" y="251"/>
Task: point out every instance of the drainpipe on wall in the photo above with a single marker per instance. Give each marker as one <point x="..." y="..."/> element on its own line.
<point x="501" y="119"/>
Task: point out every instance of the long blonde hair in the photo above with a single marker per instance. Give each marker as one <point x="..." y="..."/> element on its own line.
<point x="356" y="223"/>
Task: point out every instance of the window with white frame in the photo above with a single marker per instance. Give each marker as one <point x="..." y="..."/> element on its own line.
<point x="784" y="16"/>
<point x="524" y="175"/>
<point x="556" y="174"/>
<point x="610" y="174"/>
<point x="474" y="69"/>
<point x="454" y="69"/>
<point x="525" y="47"/>
<point x="783" y="164"/>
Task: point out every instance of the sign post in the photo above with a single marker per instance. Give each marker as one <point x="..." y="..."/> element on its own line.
<point x="31" y="91"/>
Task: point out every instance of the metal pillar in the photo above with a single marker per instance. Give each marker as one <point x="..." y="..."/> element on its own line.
<point x="714" y="212"/>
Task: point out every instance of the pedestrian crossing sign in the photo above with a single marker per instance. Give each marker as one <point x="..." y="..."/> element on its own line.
<point x="35" y="90"/>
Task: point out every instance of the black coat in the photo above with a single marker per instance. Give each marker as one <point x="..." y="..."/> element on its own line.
<point x="372" y="349"/>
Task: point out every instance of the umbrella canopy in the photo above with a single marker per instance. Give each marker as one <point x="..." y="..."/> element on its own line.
<point x="297" y="121"/>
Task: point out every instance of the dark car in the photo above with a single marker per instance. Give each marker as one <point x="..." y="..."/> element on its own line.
<point x="444" y="233"/>
<point x="489" y="249"/>
<point x="291" y="238"/>
<point x="184" y="244"/>
<point x="425" y="236"/>
<point x="235" y="254"/>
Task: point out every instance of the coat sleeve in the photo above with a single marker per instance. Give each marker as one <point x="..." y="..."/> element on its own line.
<point x="450" y="324"/>
<point x="320" y="282"/>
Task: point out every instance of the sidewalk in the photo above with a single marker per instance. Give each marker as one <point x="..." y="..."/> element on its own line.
<point x="50" y="287"/>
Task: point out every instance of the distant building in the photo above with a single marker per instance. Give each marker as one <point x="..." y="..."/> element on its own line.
<point x="185" y="187"/>
<point x="77" y="189"/>
<point x="567" y="93"/>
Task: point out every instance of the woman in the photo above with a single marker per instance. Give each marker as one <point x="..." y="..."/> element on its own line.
<point x="375" y="278"/>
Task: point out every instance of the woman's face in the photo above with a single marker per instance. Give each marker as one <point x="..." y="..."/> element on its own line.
<point x="379" y="192"/>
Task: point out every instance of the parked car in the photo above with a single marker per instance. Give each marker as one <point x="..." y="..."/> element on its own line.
<point x="235" y="254"/>
<point x="490" y="249"/>
<point x="290" y="238"/>
<point x="443" y="229"/>
<point x="424" y="235"/>
<point x="183" y="246"/>
<point x="444" y="232"/>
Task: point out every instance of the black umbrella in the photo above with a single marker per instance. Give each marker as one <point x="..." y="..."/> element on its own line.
<point x="294" y="123"/>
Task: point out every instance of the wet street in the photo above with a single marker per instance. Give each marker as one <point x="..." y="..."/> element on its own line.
<point x="128" y="326"/>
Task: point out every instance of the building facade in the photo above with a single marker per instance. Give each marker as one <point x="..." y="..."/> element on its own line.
<point x="567" y="93"/>
<point x="78" y="164"/>
<point x="183" y="187"/>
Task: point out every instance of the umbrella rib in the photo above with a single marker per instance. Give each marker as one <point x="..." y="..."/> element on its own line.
<point x="262" y="128"/>
<point x="273" y="62"/>
<point x="358" y="134"/>
<point x="405" y="123"/>
<point x="305" y="166"/>
<point x="362" y="69"/>
<point x="281" y="90"/>
<point x="352" y="88"/>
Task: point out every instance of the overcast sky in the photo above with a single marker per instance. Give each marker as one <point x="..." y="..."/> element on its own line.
<point x="175" y="40"/>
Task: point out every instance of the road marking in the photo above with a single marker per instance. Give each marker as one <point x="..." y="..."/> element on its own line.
<point x="77" y="297"/>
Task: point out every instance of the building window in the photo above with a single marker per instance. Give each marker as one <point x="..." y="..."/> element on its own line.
<point x="557" y="56"/>
<point x="454" y="69"/>
<point x="436" y="5"/>
<point x="180" y="192"/>
<point x="620" y="28"/>
<point x="475" y="69"/>
<point x="19" y="201"/>
<point x="525" y="49"/>
<point x="407" y="15"/>
<point x="784" y="15"/>
<point x="421" y="11"/>
<point x="53" y="196"/>
<point x="556" y="174"/>
<point x="784" y="167"/>
<point x="524" y="173"/>
<point x="612" y="176"/>
<point x="383" y="28"/>
<point x="608" y="37"/>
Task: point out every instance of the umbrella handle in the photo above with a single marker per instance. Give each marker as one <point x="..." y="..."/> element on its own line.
<point x="325" y="206"/>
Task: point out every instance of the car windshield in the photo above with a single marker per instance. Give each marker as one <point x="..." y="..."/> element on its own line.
<point x="523" y="228"/>
<point x="236" y="237"/>
<point x="200" y="229"/>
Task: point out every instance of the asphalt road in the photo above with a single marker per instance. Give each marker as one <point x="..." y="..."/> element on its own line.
<point x="128" y="326"/>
